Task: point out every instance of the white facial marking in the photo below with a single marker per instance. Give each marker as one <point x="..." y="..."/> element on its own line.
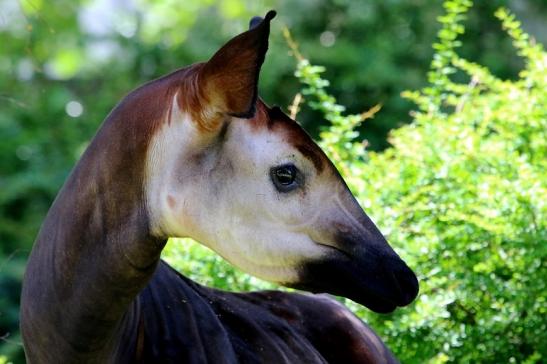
<point x="219" y="192"/>
<point x="170" y="144"/>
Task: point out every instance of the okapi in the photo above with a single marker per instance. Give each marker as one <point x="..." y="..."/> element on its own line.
<point x="197" y="154"/>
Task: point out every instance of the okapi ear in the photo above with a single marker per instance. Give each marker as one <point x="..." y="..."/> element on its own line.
<point x="229" y="80"/>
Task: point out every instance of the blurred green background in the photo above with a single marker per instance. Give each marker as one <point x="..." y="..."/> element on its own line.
<point x="65" y="64"/>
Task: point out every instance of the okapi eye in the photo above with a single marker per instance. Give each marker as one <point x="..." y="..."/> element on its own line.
<point x="285" y="177"/>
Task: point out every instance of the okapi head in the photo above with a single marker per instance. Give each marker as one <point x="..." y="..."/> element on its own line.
<point x="248" y="182"/>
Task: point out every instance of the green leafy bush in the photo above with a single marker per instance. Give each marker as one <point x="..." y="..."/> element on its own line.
<point x="460" y="195"/>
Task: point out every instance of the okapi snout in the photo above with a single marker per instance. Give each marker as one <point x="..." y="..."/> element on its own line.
<point x="362" y="267"/>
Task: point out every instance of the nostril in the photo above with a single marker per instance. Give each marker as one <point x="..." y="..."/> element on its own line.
<point x="408" y="284"/>
<point x="404" y="281"/>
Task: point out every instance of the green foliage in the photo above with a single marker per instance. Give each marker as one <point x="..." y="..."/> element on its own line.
<point x="461" y="195"/>
<point x="342" y="129"/>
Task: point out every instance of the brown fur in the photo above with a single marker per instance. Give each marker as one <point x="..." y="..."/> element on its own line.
<point x="276" y="121"/>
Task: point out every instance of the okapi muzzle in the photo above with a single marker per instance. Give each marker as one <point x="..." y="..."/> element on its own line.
<point x="361" y="265"/>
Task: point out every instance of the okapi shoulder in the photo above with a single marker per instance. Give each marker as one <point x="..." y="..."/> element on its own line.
<point x="186" y="322"/>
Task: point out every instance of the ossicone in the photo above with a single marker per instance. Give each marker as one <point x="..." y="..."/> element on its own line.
<point x="256" y="20"/>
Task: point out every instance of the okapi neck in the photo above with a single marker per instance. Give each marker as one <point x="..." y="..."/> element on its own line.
<point x="94" y="252"/>
<point x="99" y="221"/>
<point x="102" y="204"/>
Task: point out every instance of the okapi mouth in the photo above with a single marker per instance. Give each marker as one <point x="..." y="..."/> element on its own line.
<point x="379" y="281"/>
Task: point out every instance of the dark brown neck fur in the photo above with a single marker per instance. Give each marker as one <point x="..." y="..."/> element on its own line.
<point x="94" y="252"/>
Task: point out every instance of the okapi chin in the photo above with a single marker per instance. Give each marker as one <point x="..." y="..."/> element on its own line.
<point x="198" y="154"/>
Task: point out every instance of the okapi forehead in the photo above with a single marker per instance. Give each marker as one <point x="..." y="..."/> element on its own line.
<point x="158" y="95"/>
<point x="276" y="121"/>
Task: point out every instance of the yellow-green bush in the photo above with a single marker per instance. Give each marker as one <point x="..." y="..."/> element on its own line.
<point x="461" y="196"/>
